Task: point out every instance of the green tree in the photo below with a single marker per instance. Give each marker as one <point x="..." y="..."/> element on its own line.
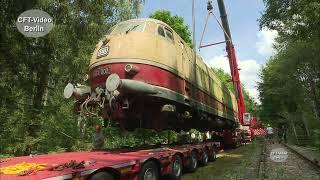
<point x="34" y="71"/>
<point x="290" y="81"/>
<point x="250" y="103"/>
<point x="299" y="19"/>
<point x="175" y="22"/>
<point x="287" y="90"/>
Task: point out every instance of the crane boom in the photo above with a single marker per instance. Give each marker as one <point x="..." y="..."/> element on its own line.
<point x="232" y="61"/>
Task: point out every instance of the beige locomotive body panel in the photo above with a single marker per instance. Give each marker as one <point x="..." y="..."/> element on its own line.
<point x="148" y="47"/>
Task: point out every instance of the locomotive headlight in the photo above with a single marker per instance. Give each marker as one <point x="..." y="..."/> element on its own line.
<point x="68" y="90"/>
<point x="113" y="82"/>
<point x="78" y="90"/>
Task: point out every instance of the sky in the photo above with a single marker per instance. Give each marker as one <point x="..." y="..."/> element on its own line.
<point x="253" y="45"/>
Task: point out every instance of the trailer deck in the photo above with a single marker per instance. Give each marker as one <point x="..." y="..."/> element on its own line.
<point x="122" y="164"/>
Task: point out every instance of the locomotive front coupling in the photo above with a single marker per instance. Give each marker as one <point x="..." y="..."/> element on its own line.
<point x="114" y="87"/>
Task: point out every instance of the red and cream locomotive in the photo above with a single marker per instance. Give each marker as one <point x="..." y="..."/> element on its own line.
<point x="143" y="75"/>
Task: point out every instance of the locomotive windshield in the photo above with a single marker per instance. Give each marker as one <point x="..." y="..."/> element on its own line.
<point x="127" y="26"/>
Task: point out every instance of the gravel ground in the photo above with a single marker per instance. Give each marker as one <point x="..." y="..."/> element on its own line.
<point x="292" y="168"/>
<point x="309" y="152"/>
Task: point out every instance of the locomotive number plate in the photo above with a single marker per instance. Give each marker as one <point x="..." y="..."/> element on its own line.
<point x="103" y="51"/>
<point x="101" y="71"/>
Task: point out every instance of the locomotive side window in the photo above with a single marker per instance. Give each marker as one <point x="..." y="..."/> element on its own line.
<point x="165" y="32"/>
<point x="161" y="31"/>
<point x="169" y="34"/>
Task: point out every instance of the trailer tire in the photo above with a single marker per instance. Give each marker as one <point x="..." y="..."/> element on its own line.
<point x="194" y="162"/>
<point x="213" y="155"/>
<point x="149" y="171"/>
<point x="176" y="167"/>
<point x="103" y="175"/>
<point x="205" y="157"/>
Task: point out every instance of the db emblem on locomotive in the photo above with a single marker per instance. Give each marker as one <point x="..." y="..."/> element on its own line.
<point x="103" y="51"/>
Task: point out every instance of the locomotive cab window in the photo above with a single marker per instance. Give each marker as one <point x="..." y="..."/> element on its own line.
<point x="129" y="26"/>
<point x="165" y="32"/>
<point x="169" y="34"/>
<point x="161" y="31"/>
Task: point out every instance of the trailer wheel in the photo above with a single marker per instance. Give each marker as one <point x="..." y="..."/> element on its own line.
<point x="194" y="162"/>
<point x="149" y="171"/>
<point x="102" y="176"/>
<point x="205" y="158"/>
<point x="176" y="167"/>
<point x="213" y="155"/>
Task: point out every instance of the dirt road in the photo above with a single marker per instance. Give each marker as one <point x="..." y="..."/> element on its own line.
<point x="293" y="167"/>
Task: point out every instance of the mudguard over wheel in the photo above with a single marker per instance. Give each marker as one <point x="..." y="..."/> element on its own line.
<point x="149" y="171"/>
<point x="102" y="176"/>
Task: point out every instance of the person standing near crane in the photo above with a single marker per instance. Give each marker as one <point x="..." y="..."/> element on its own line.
<point x="270" y="133"/>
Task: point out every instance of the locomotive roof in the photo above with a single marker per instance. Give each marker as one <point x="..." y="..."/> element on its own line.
<point x="150" y="20"/>
<point x="198" y="55"/>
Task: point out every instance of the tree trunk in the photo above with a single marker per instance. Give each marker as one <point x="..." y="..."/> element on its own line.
<point x="40" y="89"/>
<point x="293" y="127"/>
<point x="315" y="99"/>
<point x="305" y="124"/>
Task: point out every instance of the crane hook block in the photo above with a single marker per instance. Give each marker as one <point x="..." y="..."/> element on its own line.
<point x="209" y="5"/>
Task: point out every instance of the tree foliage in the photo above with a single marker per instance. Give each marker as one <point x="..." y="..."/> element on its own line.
<point x="33" y="114"/>
<point x="250" y="103"/>
<point x="175" y="22"/>
<point x="295" y="19"/>
<point x="290" y="81"/>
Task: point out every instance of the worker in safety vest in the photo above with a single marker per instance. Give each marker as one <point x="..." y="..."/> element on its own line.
<point x="98" y="139"/>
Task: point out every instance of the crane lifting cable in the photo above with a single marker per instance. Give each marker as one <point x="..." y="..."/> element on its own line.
<point x="210" y="12"/>
<point x="224" y="25"/>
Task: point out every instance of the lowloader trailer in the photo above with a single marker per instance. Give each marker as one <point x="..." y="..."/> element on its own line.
<point x="145" y="164"/>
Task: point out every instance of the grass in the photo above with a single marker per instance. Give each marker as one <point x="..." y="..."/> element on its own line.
<point x="240" y="163"/>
